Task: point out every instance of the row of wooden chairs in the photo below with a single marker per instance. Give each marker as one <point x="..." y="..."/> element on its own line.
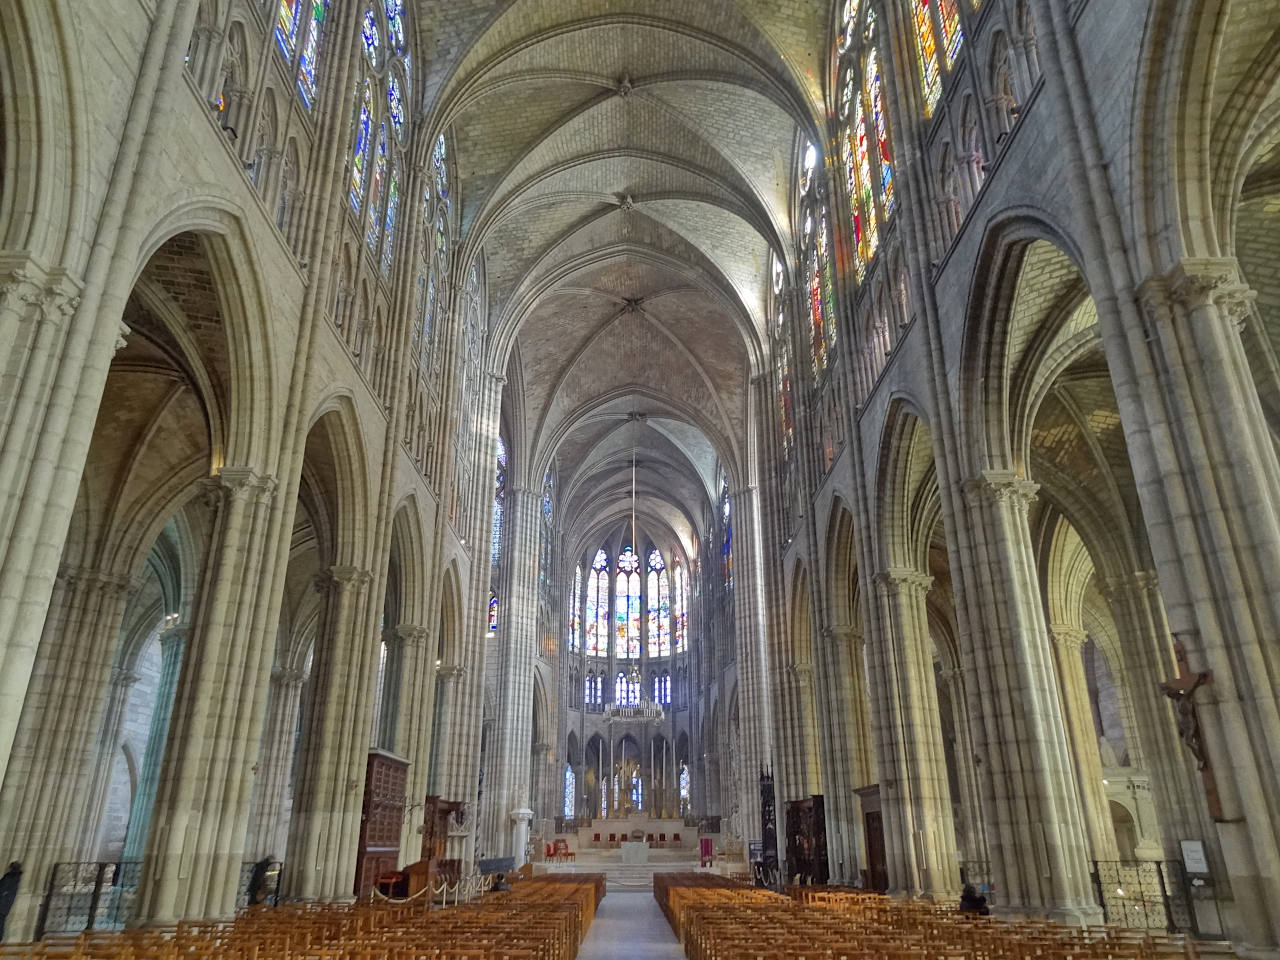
<point x="719" y="919"/>
<point x="539" y="919"/>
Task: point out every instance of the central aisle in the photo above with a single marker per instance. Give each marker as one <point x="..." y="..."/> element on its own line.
<point x="630" y="925"/>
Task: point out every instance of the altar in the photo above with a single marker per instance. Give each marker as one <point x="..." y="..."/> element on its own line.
<point x="635" y="851"/>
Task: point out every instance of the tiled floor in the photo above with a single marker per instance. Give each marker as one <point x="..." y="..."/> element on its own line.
<point x="629" y="926"/>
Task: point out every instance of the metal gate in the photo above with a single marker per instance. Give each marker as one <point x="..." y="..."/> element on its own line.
<point x="1144" y="894"/>
<point x="90" y="895"/>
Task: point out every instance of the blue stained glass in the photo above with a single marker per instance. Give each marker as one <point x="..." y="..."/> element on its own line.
<point x="360" y="153"/>
<point x="287" y="20"/>
<point x="570" y="792"/>
<point x="440" y="161"/>
<point x="395" y="103"/>
<point x="310" y="54"/>
<point x="376" y="182"/>
<point x="395" y="23"/>
<point x="389" y="241"/>
<point x="372" y="39"/>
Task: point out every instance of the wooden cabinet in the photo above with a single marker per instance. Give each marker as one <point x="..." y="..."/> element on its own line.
<point x="381" y="820"/>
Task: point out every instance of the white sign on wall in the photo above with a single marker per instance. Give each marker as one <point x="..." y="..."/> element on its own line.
<point x="1193" y="857"/>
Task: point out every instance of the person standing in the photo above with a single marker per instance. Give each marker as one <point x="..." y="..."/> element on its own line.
<point x="9" y="892"/>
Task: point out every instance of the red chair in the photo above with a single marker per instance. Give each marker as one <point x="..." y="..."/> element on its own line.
<point x="595" y="838"/>
<point x="648" y="838"/>
<point x="675" y="837"/>
<point x="551" y="854"/>
<point x="613" y="838"/>
<point x="662" y="838"/>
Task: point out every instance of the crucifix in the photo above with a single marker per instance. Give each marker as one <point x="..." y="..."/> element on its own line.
<point x="1181" y="690"/>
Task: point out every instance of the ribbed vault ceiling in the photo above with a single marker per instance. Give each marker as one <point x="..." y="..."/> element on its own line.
<point x="625" y="169"/>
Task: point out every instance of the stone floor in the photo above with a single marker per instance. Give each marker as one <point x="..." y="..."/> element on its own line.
<point x="630" y="925"/>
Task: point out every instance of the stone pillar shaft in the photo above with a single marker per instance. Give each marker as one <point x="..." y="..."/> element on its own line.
<point x="328" y="797"/>
<point x="268" y="833"/>
<point x="1078" y="716"/>
<point x="1036" y="841"/>
<point x="198" y="826"/>
<point x="41" y="804"/>
<point x="915" y="798"/>
<point x="172" y="642"/>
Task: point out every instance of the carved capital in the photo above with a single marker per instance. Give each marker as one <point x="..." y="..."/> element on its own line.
<point x="1140" y="584"/>
<point x="346" y="577"/>
<point x="803" y="672"/>
<point x="173" y="636"/>
<point x="1001" y="487"/>
<point x="1196" y="282"/>
<point x="450" y="672"/>
<point x="240" y="484"/>
<point x="122" y="336"/>
<point x="897" y="581"/>
<point x="1069" y="637"/>
<point x="412" y="635"/>
<point x="122" y="678"/>
<point x="287" y="676"/>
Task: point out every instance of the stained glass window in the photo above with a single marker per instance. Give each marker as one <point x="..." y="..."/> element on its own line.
<point x="499" y="495"/>
<point x="360" y="152"/>
<point x="786" y="411"/>
<point x="395" y="105"/>
<point x="662" y="688"/>
<point x="570" y="792"/>
<point x="393" y="208"/>
<point x="808" y="162"/>
<point x="684" y="787"/>
<point x="637" y="794"/>
<point x="727" y="546"/>
<point x="575" y="609"/>
<point x="597" y="612"/>
<point x="680" y="611"/>
<point x="372" y="39"/>
<point x="440" y="162"/>
<point x="287" y="20"/>
<point x="310" y="53"/>
<point x="428" y="312"/>
<point x="659" y="607"/>
<point x="376" y="183"/>
<point x="927" y="48"/>
<point x="884" y="157"/>
<point x="627" y="606"/>
<point x="493" y="611"/>
<point x="828" y="287"/>
<point x="620" y="690"/>
<point x="952" y="34"/>
<point x="395" y="24"/>
<point x="817" y="315"/>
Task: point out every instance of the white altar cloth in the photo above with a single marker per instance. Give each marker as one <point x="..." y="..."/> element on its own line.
<point x="635" y="851"/>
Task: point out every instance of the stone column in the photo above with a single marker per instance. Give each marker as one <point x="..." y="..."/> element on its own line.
<point x="450" y="677"/>
<point x="919" y="828"/>
<point x="172" y="642"/>
<point x="1147" y="649"/>
<point x="122" y="682"/>
<point x="845" y="736"/>
<point x="519" y="633"/>
<point x="328" y="797"/>
<point x="970" y="797"/>
<point x="754" y="705"/>
<point x="1035" y="832"/>
<point x="1078" y="716"/>
<point x="198" y="821"/>
<point x="62" y="384"/>
<point x="416" y="700"/>
<point x="268" y="825"/>
<point x="51" y="765"/>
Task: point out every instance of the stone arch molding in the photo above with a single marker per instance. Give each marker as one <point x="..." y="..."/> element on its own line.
<point x="247" y="314"/>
